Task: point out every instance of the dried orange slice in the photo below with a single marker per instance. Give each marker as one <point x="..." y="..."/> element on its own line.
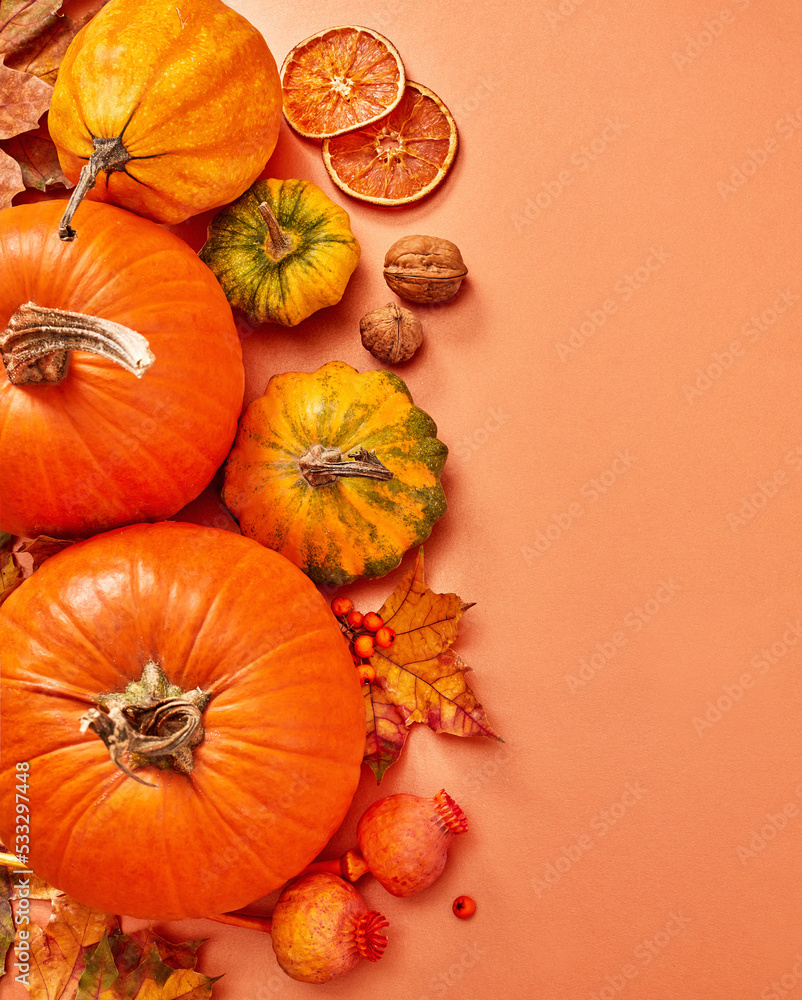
<point x="340" y="79"/>
<point x="400" y="158"/>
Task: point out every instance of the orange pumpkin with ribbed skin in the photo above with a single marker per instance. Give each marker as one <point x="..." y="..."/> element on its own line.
<point x="283" y="722"/>
<point x="178" y="105"/>
<point x="101" y="447"/>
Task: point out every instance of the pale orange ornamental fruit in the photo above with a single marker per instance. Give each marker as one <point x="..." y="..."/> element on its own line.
<point x="399" y="159"/>
<point x="339" y="80"/>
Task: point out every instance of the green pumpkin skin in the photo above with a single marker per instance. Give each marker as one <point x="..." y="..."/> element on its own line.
<point x="354" y="527"/>
<point x="282" y="284"/>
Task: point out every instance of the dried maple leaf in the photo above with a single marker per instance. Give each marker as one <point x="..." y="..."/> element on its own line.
<point x="386" y="730"/>
<point x="60" y="950"/>
<point x="23" y="101"/>
<point x="40" y="48"/>
<point x="6" y="918"/>
<point x="11" y="181"/>
<point x="419" y="678"/>
<point x="153" y="979"/>
<point x="33" y="40"/>
<point x="100" y="972"/>
<point x="36" y="156"/>
<point x="21" y="21"/>
<point x="20" y="557"/>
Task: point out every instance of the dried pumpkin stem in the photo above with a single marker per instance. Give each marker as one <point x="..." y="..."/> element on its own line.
<point x="279" y="243"/>
<point x="151" y="722"/>
<point x="320" y="466"/>
<point x="36" y="344"/>
<point x="109" y="155"/>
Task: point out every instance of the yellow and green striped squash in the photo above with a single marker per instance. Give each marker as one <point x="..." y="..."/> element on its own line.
<point x="281" y="251"/>
<point x="338" y="471"/>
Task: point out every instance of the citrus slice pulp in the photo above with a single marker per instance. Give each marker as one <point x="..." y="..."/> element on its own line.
<point x="340" y="79"/>
<point x="399" y="159"/>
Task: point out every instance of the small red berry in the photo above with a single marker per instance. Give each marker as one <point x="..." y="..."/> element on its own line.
<point x="366" y="673"/>
<point x="354" y="619"/>
<point x="363" y="646"/>
<point x="385" y="637"/>
<point x="464" y="907"/>
<point x="372" y="622"/>
<point x="341" y="606"/>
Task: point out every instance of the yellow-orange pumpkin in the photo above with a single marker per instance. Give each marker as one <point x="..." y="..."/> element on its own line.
<point x="339" y="471"/>
<point x="173" y="108"/>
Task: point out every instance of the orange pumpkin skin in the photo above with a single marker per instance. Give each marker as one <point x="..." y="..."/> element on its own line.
<point x="103" y="448"/>
<point x="191" y="87"/>
<point x="284" y="729"/>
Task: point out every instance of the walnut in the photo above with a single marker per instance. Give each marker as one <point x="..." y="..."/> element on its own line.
<point x="424" y="268"/>
<point x="392" y="334"/>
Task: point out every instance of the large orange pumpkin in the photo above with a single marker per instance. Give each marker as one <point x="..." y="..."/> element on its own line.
<point x="248" y="648"/>
<point x="167" y="108"/>
<point x="86" y="444"/>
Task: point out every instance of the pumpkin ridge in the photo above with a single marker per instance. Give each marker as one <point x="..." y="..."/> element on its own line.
<point x="259" y="857"/>
<point x="221" y="597"/>
<point x="155" y="461"/>
<point x="68" y="418"/>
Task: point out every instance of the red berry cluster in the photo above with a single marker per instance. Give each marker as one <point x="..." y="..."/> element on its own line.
<point x="365" y="633"/>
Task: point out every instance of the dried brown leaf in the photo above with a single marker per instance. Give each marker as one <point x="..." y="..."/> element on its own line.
<point x="22" y="21"/>
<point x="60" y="950"/>
<point x="41" y="53"/>
<point x="36" y="154"/>
<point x="21" y="557"/>
<point x="11" y="182"/>
<point x="6" y="918"/>
<point x="23" y="101"/>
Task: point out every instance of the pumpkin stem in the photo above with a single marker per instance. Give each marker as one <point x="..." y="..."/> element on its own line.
<point x="279" y="244"/>
<point x="321" y="466"/>
<point x="36" y="344"/>
<point x="109" y="155"/>
<point x="152" y="722"/>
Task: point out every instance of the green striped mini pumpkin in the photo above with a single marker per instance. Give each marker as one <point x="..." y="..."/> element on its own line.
<point x="338" y="471"/>
<point x="281" y="251"/>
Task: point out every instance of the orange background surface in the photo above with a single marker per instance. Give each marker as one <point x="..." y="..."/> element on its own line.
<point x="618" y="382"/>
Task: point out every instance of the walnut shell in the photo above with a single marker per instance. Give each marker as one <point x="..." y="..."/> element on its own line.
<point x="424" y="268"/>
<point x="392" y="333"/>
